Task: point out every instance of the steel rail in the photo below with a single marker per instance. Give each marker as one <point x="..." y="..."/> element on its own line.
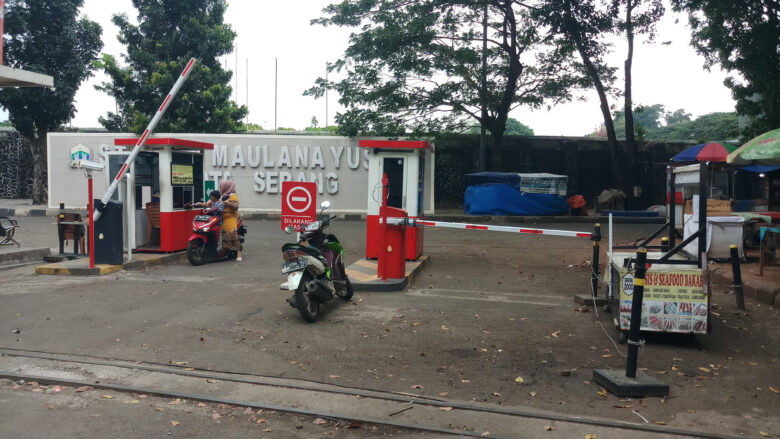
<point x="376" y="394"/>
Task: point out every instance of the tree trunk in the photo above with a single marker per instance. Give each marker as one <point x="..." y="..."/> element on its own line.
<point x="38" y="152"/>
<point x="617" y="170"/>
<point x="631" y="148"/>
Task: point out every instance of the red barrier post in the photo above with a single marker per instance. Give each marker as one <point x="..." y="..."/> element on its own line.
<point x="382" y="254"/>
<point x="91" y="224"/>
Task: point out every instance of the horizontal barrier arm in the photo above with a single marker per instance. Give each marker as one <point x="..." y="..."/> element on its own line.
<point x="414" y="222"/>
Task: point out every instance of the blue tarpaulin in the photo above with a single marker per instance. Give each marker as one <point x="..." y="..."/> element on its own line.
<point x="493" y="193"/>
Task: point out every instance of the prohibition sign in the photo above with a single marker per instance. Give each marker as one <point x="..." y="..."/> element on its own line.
<point x="298" y="196"/>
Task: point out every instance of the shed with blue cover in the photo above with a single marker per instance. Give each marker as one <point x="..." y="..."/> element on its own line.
<point x="506" y="193"/>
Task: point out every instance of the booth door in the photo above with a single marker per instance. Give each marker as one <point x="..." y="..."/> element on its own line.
<point x="395" y="168"/>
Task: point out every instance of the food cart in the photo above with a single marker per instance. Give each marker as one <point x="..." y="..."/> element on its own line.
<point x="676" y="299"/>
<point x="676" y="293"/>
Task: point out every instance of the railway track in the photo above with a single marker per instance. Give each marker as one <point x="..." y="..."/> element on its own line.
<point x="396" y="409"/>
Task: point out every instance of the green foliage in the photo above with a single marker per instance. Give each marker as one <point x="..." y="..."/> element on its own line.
<point x="513" y="128"/>
<point x="742" y="36"/>
<point x="169" y="33"/>
<point x="677" y="116"/>
<point x="254" y="127"/>
<point x="712" y="126"/>
<point x="47" y="37"/>
<point x="647" y="117"/>
<point x="416" y="67"/>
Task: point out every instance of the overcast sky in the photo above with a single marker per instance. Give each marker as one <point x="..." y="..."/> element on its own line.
<point x="671" y="74"/>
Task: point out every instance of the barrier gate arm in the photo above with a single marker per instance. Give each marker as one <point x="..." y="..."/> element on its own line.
<point x="413" y="222"/>
<point x="142" y="140"/>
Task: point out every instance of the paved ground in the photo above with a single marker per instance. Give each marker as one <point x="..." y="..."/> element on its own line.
<point x="489" y="308"/>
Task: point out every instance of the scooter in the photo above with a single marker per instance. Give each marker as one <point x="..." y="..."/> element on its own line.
<point x="314" y="266"/>
<point x="205" y="241"/>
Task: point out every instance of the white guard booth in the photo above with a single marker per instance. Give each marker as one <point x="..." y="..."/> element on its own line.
<point x="409" y="167"/>
<point x="165" y="177"/>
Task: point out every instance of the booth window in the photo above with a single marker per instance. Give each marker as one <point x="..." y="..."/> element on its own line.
<point x="186" y="178"/>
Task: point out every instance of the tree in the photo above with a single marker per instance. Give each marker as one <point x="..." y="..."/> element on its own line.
<point x="646" y="117"/>
<point x="743" y="38"/>
<point x="640" y="18"/>
<point x="515" y="128"/>
<point x="46" y="36"/>
<point x="677" y="116"/>
<point x="416" y="66"/>
<point x="168" y="34"/>
<point x="584" y="25"/>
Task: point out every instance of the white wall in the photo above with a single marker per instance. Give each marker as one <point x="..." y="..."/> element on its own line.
<point x="257" y="163"/>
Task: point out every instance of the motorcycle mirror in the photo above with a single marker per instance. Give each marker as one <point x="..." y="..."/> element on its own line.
<point x="325" y="204"/>
<point x="289" y="229"/>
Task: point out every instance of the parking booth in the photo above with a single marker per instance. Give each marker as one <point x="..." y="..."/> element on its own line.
<point x="409" y="167"/>
<point x="163" y="180"/>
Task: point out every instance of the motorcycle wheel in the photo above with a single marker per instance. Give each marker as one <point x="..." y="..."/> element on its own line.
<point x="307" y="306"/>
<point x="347" y="293"/>
<point x="196" y="252"/>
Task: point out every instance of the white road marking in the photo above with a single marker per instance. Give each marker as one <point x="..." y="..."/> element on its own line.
<point x="486" y="296"/>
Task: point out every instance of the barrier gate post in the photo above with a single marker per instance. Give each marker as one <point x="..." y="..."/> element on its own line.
<point x="594" y="279"/>
<point x="630" y="383"/>
<point x="737" y="272"/>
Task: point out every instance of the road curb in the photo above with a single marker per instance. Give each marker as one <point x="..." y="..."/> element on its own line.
<point x="10" y="259"/>
<point x="763" y="291"/>
<point x="362" y="274"/>
<point x="80" y="267"/>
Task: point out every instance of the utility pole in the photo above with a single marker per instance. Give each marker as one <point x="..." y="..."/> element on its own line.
<point x="326" y="96"/>
<point x="236" y="73"/>
<point x="276" y="84"/>
<point x="247" y="94"/>
<point x="483" y="95"/>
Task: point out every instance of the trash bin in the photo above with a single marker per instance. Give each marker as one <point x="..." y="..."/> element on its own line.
<point x="108" y="234"/>
<point x="394" y="260"/>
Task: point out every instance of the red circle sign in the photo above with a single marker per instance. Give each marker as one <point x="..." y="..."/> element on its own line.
<point x="298" y="199"/>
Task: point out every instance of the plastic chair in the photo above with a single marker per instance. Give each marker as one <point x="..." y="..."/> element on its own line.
<point x="153" y="219"/>
<point x="7" y="228"/>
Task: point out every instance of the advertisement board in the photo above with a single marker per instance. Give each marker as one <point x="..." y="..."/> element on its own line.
<point x="673" y="301"/>
<point x="181" y="175"/>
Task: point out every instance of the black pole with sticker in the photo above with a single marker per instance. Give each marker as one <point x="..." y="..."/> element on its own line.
<point x="636" y="312"/>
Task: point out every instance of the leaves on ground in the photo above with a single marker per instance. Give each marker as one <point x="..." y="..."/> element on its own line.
<point x="445" y="409"/>
<point x="175" y="423"/>
<point x="519" y="379"/>
<point x="319" y="421"/>
<point x="261" y="421"/>
<point x="550" y="428"/>
<point x="107" y="397"/>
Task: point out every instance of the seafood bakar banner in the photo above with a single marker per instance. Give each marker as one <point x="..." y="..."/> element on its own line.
<point x="673" y="301"/>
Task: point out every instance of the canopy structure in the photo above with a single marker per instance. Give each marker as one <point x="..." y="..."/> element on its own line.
<point x="705" y="152"/>
<point x="10" y="77"/>
<point x="761" y="150"/>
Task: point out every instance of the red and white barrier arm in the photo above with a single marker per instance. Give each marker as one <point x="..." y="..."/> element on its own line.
<point x="413" y="222"/>
<point x="147" y="132"/>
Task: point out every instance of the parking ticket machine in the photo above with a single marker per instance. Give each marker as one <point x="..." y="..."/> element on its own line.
<point x="166" y="176"/>
<point x="409" y="167"/>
